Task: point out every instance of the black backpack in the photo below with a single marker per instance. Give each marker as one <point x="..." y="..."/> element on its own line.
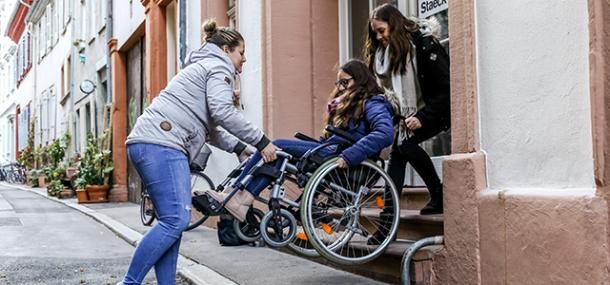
<point x="226" y="233"/>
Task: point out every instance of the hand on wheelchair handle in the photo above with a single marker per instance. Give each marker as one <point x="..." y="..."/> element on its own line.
<point x="341" y="163"/>
<point x="268" y="153"/>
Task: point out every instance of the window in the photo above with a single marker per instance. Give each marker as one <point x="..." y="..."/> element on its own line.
<point x="43" y="120"/>
<point x="101" y="15"/>
<point x="91" y="10"/>
<point x="84" y="33"/>
<point x="77" y="132"/>
<point x="88" y="118"/>
<point x="52" y="107"/>
<point x="66" y="80"/>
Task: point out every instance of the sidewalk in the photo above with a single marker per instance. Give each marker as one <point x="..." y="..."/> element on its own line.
<point x="204" y="261"/>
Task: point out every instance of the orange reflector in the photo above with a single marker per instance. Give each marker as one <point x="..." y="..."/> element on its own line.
<point x="302" y="236"/>
<point x="327" y="229"/>
<point x="379" y="202"/>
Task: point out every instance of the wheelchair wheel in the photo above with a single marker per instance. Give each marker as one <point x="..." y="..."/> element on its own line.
<point x="278" y="230"/>
<point x="343" y="208"/>
<point x="147" y="209"/>
<point x="199" y="181"/>
<point x="249" y="230"/>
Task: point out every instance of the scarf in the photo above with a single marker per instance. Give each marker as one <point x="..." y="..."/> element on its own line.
<point x="404" y="92"/>
<point x="333" y="104"/>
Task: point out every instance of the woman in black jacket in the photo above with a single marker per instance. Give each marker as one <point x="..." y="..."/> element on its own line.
<point x="411" y="64"/>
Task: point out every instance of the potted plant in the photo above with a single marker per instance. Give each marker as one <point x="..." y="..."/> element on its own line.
<point x="81" y="194"/>
<point x="34" y="173"/>
<point x="54" y="188"/>
<point x="95" y="168"/>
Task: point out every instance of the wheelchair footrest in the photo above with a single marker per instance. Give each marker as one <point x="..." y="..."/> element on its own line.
<point x="207" y="205"/>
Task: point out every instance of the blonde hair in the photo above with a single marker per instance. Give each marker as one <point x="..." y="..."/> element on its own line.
<point x="220" y="36"/>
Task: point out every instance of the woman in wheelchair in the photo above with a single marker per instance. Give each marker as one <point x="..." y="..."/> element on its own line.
<point x="357" y="106"/>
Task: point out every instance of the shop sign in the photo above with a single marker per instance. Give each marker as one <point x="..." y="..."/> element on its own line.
<point x="427" y="8"/>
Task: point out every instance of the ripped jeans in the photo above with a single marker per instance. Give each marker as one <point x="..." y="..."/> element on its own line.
<point x="166" y="175"/>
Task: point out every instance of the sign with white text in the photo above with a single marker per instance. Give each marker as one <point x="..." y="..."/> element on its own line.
<point x="427" y="8"/>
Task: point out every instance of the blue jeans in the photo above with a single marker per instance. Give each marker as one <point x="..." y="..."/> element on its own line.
<point x="296" y="148"/>
<point x="166" y="176"/>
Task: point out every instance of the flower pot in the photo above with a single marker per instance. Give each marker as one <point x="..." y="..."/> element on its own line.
<point x="66" y="193"/>
<point x="81" y="195"/>
<point x="42" y="181"/>
<point x="98" y="193"/>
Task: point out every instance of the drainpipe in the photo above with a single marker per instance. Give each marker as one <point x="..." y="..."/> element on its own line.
<point x="109" y="35"/>
<point x="410" y="252"/>
<point x="182" y="27"/>
<point x="73" y="59"/>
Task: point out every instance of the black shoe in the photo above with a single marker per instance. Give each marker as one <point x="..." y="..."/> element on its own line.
<point x="433" y="207"/>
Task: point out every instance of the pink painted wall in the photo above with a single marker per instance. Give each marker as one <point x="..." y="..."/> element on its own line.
<point x="300" y="54"/>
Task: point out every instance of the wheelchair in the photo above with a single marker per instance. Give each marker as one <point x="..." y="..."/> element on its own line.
<point x="337" y="212"/>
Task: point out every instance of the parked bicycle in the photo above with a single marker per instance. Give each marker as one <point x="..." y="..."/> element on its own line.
<point x="199" y="180"/>
<point x="14" y="173"/>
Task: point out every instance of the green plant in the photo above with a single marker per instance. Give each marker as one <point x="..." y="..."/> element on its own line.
<point x="54" y="187"/>
<point x="57" y="149"/>
<point x="41" y="157"/>
<point x="96" y="165"/>
<point x="34" y="173"/>
<point x="27" y="155"/>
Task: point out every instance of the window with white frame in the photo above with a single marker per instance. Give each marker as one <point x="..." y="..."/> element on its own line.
<point x="52" y="107"/>
<point x="49" y="29"/>
<point x="54" y="29"/>
<point x="43" y="118"/>
<point x="101" y="15"/>
<point x="84" y="33"/>
<point x="92" y="20"/>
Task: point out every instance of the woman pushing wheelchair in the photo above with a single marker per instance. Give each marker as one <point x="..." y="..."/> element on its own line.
<point x="357" y="106"/>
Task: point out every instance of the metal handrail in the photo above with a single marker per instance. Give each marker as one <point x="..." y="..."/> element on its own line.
<point x="408" y="255"/>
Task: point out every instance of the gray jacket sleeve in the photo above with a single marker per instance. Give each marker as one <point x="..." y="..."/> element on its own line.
<point x="220" y="105"/>
<point x="223" y="140"/>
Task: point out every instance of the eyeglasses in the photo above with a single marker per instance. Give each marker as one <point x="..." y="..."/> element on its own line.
<point x="343" y="82"/>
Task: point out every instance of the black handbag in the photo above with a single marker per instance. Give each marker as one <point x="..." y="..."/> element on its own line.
<point x="226" y="233"/>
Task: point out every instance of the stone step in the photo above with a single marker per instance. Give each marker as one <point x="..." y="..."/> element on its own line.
<point x="412" y="198"/>
<point x="413" y="226"/>
<point x="387" y="267"/>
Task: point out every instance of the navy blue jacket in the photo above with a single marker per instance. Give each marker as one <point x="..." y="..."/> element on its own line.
<point x="373" y="133"/>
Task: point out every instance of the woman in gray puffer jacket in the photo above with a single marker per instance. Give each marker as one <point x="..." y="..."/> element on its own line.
<point x="170" y="132"/>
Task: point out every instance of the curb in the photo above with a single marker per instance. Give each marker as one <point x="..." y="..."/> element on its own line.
<point x="188" y="269"/>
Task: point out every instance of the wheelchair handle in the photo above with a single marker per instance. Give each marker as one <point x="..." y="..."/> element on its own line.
<point x="304" y="137"/>
<point x="283" y="154"/>
<point x="339" y="132"/>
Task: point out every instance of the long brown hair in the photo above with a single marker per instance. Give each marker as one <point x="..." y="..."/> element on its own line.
<point x="400" y="46"/>
<point x="352" y="105"/>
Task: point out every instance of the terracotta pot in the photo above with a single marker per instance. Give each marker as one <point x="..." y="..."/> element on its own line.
<point x="81" y="195"/>
<point x="98" y="193"/>
<point x="42" y="181"/>
<point x="66" y="193"/>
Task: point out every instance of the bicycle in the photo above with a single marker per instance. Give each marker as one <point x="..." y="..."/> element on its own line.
<point x="199" y="180"/>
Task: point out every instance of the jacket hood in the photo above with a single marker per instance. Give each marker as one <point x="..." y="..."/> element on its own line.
<point x="209" y="51"/>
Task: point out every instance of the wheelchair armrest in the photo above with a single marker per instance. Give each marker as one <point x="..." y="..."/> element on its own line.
<point x="341" y="133"/>
<point x="304" y="137"/>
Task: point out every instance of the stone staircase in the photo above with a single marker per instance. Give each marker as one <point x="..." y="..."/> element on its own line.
<point x="412" y="227"/>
